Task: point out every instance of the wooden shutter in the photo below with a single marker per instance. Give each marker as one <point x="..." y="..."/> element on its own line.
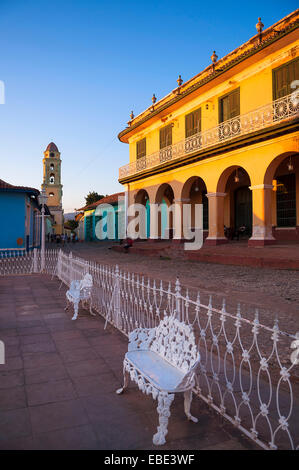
<point x="166" y="136"/>
<point x="283" y="77"/>
<point x="229" y="106"/>
<point x="280" y="82"/>
<point x="141" y="148"/>
<point x="193" y="123"/>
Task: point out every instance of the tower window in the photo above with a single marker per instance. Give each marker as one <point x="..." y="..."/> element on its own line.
<point x="52" y="178"/>
<point x="52" y="166"/>
<point x="52" y="154"/>
<point x="51" y="194"/>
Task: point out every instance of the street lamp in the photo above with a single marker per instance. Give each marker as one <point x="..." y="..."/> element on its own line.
<point x="42" y="199"/>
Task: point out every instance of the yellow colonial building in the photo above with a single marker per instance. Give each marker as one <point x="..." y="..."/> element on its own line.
<point x="226" y="138"/>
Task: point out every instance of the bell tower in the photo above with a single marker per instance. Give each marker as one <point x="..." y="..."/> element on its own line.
<point x="52" y="184"/>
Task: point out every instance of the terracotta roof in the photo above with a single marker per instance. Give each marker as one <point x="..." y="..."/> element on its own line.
<point x="112" y="199"/>
<point x="7" y="186"/>
<point x="252" y="46"/>
<point x="79" y="216"/>
<point x="52" y="147"/>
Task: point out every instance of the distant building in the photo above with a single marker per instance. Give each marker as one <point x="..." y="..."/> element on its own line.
<point x="20" y="210"/>
<point x="109" y="208"/>
<point x="52" y="185"/>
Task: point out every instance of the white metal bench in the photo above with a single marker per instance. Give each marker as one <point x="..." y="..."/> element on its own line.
<point x="163" y="361"/>
<point x="80" y="291"/>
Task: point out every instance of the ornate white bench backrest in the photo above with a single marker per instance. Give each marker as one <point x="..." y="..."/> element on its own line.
<point x="86" y="286"/>
<point x="175" y="342"/>
<point x="171" y="339"/>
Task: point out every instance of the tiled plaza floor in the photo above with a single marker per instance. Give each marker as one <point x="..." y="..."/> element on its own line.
<point x="57" y="388"/>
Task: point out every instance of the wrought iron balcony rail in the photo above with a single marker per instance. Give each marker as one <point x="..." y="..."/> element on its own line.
<point x="262" y="117"/>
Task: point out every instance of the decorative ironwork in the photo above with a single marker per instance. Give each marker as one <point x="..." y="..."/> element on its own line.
<point x="248" y="371"/>
<point x="265" y="116"/>
<point x="162" y="361"/>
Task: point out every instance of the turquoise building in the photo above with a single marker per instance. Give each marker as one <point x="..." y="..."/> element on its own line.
<point x="108" y="211"/>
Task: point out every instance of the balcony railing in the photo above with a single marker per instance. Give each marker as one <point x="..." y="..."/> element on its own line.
<point x="265" y="116"/>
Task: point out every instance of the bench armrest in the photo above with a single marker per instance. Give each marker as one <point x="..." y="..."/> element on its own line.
<point x="188" y="379"/>
<point x="141" y="338"/>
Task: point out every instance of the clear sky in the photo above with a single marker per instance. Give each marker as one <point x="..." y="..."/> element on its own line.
<point x="74" y="70"/>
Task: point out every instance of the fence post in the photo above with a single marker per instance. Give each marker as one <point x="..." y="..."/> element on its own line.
<point x="70" y="268"/>
<point x="178" y="298"/>
<point x="117" y="297"/>
<point x="35" y="260"/>
<point x="59" y="264"/>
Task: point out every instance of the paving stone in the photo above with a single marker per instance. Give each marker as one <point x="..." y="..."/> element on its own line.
<point x="48" y="374"/>
<point x="41" y="393"/>
<point x="85" y="368"/>
<point x="94" y="384"/>
<point x="41" y="360"/>
<point x="12" y="398"/>
<point x="77" y="355"/>
<point x="41" y="347"/>
<point x="12" y="363"/>
<point x="76" y="438"/>
<point x="11" y="378"/>
<point x="14" y="423"/>
<point x="59" y="415"/>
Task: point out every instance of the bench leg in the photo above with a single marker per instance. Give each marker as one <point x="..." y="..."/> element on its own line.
<point x="90" y="309"/>
<point x="187" y="406"/>
<point x="76" y="309"/>
<point x="164" y="402"/>
<point x="126" y="382"/>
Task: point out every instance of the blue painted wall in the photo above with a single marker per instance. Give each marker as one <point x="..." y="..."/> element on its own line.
<point x="12" y="208"/>
<point x="13" y="211"/>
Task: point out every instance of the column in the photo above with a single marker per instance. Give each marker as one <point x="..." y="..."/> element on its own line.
<point x="178" y="220"/>
<point x="216" y="219"/>
<point x="261" y="215"/>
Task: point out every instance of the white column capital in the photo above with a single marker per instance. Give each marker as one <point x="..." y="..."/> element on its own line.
<point x="216" y="194"/>
<point x="261" y="186"/>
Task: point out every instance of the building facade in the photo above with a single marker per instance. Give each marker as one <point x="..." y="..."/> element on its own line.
<point x="227" y="139"/>
<point x="109" y="212"/>
<point x="52" y="185"/>
<point x="21" y="229"/>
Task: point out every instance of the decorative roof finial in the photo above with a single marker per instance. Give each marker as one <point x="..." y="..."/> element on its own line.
<point x="214" y="58"/>
<point x="131" y="118"/>
<point x="154" y="99"/>
<point x="179" y="82"/>
<point x="259" y="27"/>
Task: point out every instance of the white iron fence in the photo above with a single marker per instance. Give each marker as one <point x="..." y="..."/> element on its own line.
<point x="246" y="371"/>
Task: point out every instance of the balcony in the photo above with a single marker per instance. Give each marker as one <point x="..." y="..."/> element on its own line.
<point x="261" y="118"/>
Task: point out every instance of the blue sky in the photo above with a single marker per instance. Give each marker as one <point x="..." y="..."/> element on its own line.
<point x="73" y="71"/>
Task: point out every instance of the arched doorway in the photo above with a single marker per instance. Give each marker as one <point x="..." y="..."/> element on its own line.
<point x="243" y="209"/>
<point x="194" y="192"/>
<point x="234" y="184"/>
<point x="165" y="198"/>
<point x="283" y="174"/>
<point x="142" y="197"/>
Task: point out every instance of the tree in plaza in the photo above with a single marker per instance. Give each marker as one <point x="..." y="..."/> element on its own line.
<point x="92" y="197"/>
<point x="71" y="224"/>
